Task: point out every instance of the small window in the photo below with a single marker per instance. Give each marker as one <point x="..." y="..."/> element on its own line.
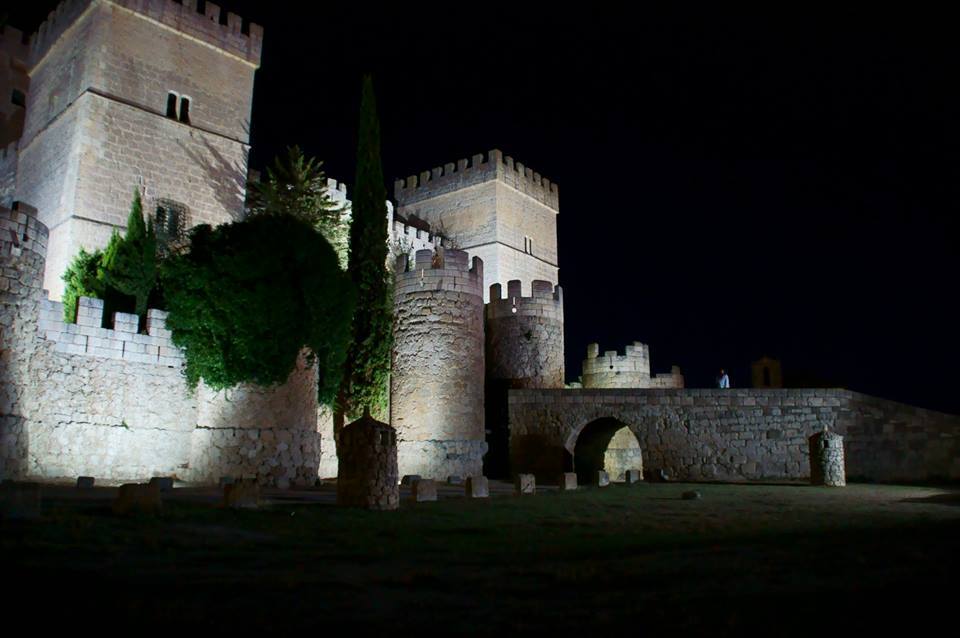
<point x="19" y="98"/>
<point x="170" y="222"/>
<point x="185" y="110"/>
<point x="527" y="245"/>
<point x="172" y="105"/>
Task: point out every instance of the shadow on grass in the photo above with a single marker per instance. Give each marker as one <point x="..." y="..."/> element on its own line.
<point x="950" y="498"/>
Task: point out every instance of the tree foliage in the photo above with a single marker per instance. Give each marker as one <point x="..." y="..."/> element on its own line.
<point x="247" y="297"/>
<point x="82" y="279"/>
<point x="130" y="263"/>
<point x="368" y="362"/>
<point x="296" y="185"/>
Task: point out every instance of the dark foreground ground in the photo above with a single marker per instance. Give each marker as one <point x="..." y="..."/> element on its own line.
<point x="776" y="559"/>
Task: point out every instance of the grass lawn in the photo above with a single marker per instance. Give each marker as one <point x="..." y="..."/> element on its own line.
<point x="777" y="559"/>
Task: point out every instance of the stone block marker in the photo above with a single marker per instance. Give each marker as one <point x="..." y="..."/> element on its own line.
<point x="367" y="474"/>
<point x="826" y="459"/>
<point x="165" y="483"/>
<point x="138" y="498"/>
<point x="423" y="491"/>
<point x="525" y="484"/>
<point x="568" y="481"/>
<point x="85" y="482"/>
<point x="409" y="479"/>
<point x="603" y="479"/>
<point x="241" y="494"/>
<point x="21" y="501"/>
<point x="632" y="476"/>
<point x="477" y="487"/>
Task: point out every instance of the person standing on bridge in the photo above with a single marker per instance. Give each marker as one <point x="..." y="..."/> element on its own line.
<point x="723" y="381"/>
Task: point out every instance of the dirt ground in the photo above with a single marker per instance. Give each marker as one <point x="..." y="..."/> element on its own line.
<point x="777" y="559"/>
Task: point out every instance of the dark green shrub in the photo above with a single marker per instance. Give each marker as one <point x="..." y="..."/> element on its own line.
<point x="246" y="297"/>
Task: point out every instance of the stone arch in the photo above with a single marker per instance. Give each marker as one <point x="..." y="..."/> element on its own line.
<point x="606" y="444"/>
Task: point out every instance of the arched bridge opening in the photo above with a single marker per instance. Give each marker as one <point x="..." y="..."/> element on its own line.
<point x="606" y="444"/>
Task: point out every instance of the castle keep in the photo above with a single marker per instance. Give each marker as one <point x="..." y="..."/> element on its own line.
<point x="110" y="95"/>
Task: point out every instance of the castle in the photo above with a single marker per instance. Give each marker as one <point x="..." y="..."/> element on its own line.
<point x="112" y="94"/>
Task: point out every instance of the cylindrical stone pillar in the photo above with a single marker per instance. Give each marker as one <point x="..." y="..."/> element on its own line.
<point x="436" y="402"/>
<point x="826" y="459"/>
<point x="367" y="475"/>
<point x="23" y="249"/>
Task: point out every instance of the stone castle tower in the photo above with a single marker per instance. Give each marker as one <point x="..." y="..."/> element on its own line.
<point x="128" y="94"/>
<point x="496" y="209"/>
<point x="436" y="393"/>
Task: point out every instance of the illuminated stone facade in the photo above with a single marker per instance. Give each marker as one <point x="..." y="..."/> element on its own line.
<point x="129" y="94"/>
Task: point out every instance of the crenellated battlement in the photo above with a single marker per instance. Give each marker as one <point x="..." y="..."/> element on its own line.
<point x="21" y="231"/>
<point x="122" y="341"/>
<point x="545" y="300"/>
<point x="477" y="170"/>
<point x="337" y="191"/>
<point x="14" y="43"/>
<point x="636" y="358"/>
<point x="225" y="32"/>
<point x="441" y="269"/>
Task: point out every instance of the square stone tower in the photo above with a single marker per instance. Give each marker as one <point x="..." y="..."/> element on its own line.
<point x="495" y="209"/>
<point x="135" y="93"/>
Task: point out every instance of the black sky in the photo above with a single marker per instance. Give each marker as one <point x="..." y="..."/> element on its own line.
<point x="731" y="184"/>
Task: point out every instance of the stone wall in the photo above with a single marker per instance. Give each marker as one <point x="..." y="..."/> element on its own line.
<point x="23" y="242"/>
<point x="740" y="434"/>
<point x="81" y="399"/>
<point x="438" y="368"/>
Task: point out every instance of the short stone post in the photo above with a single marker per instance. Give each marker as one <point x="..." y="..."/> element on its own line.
<point x="242" y="494"/>
<point x="603" y="479"/>
<point x="632" y="476"/>
<point x="568" y="481"/>
<point x="367" y="475"/>
<point x="424" y="490"/>
<point x="525" y="484"/>
<point x="477" y="487"/>
<point x="826" y="459"/>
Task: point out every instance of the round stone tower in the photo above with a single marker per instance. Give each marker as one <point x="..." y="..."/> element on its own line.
<point x="524" y="349"/>
<point x="436" y="402"/>
<point x="524" y="336"/>
<point x="23" y="250"/>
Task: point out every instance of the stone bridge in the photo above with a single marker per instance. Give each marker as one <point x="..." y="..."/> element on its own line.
<point x="726" y="435"/>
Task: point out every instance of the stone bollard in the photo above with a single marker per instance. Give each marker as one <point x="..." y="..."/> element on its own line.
<point x="244" y="493"/>
<point x="603" y="479"/>
<point x="826" y="459"/>
<point x="568" y="481"/>
<point x="424" y="490"/>
<point x="525" y="484"/>
<point x="85" y="482"/>
<point x="632" y="476"/>
<point x="20" y="501"/>
<point x="165" y="483"/>
<point x="139" y="498"/>
<point x="367" y="474"/>
<point x="477" y="487"/>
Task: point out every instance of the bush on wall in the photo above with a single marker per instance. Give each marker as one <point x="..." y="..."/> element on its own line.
<point x="246" y="297"/>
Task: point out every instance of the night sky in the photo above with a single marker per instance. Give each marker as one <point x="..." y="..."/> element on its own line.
<point x="731" y="185"/>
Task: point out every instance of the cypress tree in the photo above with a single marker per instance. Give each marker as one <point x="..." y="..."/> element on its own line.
<point x="130" y="263"/>
<point x="368" y="361"/>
